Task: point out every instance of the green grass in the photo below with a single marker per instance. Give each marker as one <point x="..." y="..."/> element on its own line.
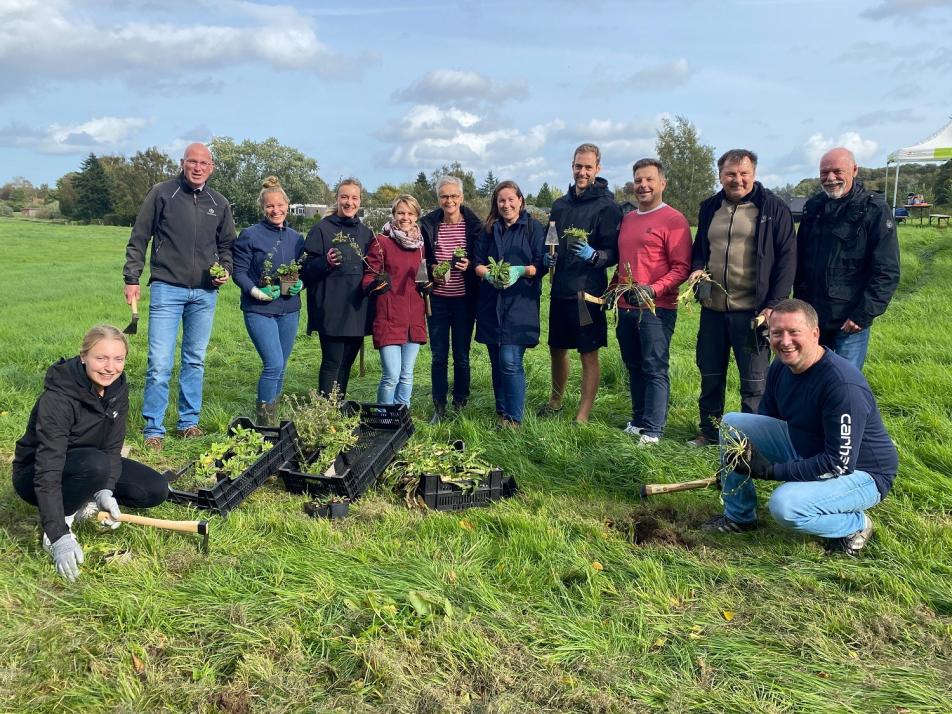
<point x="289" y="614"/>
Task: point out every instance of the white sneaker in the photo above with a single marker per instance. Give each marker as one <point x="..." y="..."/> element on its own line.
<point x="645" y="440"/>
<point x="633" y="430"/>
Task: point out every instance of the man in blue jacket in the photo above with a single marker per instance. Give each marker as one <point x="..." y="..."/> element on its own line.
<point x="191" y="228"/>
<point x="819" y="432"/>
<point x="745" y="241"/>
<point x="847" y="257"/>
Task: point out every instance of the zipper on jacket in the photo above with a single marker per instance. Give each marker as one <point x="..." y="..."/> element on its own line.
<point x="727" y="259"/>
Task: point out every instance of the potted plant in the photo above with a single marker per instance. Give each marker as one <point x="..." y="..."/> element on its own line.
<point x="217" y="271"/>
<point x="441" y="270"/>
<point x="288" y="275"/>
<point x="333" y="507"/>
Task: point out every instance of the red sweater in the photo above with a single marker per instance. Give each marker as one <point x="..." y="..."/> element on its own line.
<point x="656" y="247"/>
<point x="400" y="315"/>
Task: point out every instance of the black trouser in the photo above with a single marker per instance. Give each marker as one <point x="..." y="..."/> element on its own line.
<point x="452" y="318"/>
<point x="720" y="333"/>
<point x="337" y="359"/>
<point x="86" y="470"/>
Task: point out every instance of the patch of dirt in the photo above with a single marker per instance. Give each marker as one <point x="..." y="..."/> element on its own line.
<point x="654" y="526"/>
<point x="233" y="701"/>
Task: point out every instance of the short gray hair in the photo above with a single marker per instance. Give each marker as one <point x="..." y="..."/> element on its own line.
<point x="448" y="179"/>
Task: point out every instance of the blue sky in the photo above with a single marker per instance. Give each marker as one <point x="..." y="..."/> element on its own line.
<point x="384" y="91"/>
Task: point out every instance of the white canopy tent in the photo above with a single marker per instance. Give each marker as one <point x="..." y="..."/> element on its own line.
<point x="937" y="147"/>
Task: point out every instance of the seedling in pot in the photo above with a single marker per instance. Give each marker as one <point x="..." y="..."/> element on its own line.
<point x="459" y="254"/>
<point x="288" y="275"/>
<point x="575" y="235"/>
<point x="217" y="271"/>
<point x="323" y="426"/>
<point x="441" y="270"/>
<point x="333" y="507"/>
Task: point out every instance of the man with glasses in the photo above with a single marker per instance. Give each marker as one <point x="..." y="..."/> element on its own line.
<point x="192" y="229"/>
<point x="449" y="235"/>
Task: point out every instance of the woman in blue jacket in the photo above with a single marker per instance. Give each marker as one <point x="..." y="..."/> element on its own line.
<point x="270" y="317"/>
<point x="507" y="311"/>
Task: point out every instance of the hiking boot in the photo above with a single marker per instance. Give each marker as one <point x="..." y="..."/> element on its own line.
<point x="190" y="432"/>
<point x="646" y="440"/>
<point x="266" y="413"/>
<point x="632" y="430"/>
<point x="700" y="441"/>
<point x="547" y="410"/>
<point x="852" y="544"/>
<point x="439" y="413"/>
<point x="459" y="405"/>
<point x="723" y="524"/>
<point x="153" y="443"/>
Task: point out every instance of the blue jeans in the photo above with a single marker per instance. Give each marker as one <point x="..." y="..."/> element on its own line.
<point x="509" y="380"/>
<point x="645" y="340"/>
<point x="396" y="378"/>
<point x="273" y="336"/>
<point x="830" y="508"/>
<point x="451" y="318"/>
<point x="850" y="346"/>
<point x="168" y="306"/>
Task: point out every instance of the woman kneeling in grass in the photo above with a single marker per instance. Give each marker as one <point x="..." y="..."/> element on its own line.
<point x="68" y="462"/>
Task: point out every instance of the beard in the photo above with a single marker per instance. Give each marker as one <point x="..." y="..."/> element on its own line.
<point x="834" y="191"/>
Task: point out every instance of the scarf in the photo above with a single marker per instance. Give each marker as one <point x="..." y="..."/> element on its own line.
<point x="411" y="240"/>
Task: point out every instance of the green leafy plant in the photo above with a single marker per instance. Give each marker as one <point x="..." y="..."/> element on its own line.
<point x="499" y="271"/>
<point x="459" y="254"/>
<point x="289" y="269"/>
<point x="440" y="270"/>
<point x="226" y="458"/>
<point x="324" y="429"/>
<point x="627" y="287"/>
<point x="217" y="271"/>
<point x="686" y="295"/>
<point x="577" y="235"/>
<point x="267" y="267"/>
<point x="465" y="468"/>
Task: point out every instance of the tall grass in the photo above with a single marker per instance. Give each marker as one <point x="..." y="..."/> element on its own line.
<point x="574" y="596"/>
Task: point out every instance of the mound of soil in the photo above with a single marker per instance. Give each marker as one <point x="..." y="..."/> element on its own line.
<point x="657" y="526"/>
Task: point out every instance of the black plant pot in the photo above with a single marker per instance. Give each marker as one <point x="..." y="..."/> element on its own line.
<point x="333" y="511"/>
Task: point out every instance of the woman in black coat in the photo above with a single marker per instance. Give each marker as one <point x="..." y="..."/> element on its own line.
<point x="333" y="268"/>
<point x="68" y="462"/>
<point x="507" y="312"/>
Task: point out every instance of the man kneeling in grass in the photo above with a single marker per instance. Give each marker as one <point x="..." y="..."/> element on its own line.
<point x="819" y="431"/>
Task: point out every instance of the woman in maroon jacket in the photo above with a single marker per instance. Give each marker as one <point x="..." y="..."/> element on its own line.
<point x="393" y="264"/>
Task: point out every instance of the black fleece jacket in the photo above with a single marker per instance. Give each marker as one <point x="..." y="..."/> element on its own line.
<point x="776" y="244"/>
<point x="69" y="414"/>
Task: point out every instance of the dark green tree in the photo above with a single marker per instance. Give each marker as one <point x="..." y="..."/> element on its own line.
<point x="65" y="193"/>
<point x="93" y="190"/>
<point x="423" y="192"/>
<point x="942" y="188"/>
<point x="688" y="164"/>
<point x="544" y="198"/>
<point x="457" y="170"/>
<point x="488" y="185"/>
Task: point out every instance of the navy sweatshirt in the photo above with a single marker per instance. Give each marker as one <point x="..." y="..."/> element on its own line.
<point x="833" y="421"/>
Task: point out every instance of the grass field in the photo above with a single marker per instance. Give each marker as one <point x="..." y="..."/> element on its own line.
<point x="574" y="596"/>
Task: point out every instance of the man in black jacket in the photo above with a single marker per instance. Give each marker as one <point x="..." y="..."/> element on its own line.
<point x="847" y="257"/>
<point x="580" y="267"/>
<point x="746" y="243"/>
<point x="191" y="228"/>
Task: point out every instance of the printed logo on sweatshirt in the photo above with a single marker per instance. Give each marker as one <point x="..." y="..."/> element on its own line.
<point x="846" y="443"/>
<point x="211" y="211"/>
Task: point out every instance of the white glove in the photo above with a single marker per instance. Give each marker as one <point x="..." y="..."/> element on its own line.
<point x="107" y="502"/>
<point x="67" y="555"/>
<point x="258" y="294"/>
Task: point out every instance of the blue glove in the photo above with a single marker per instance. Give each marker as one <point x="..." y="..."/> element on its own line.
<point x="296" y="288"/>
<point x="582" y="251"/>
<point x="67" y="555"/>
<point x="515" y="272"/>
<point x="108" y="503"/>
<point x="549" y="261"/>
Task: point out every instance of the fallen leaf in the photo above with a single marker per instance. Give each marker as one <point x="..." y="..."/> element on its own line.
<point x="451" y="576"/>
<point x="823" y="675"/>
<point x="598" y="566"/>
<point x="674" y="602"/>
<point x="466" y="524"/>
<point x="728" y="615"/>
<point x="138" y="666"/>
<point x="854" y="655"/>
<point x="659" y="643"/>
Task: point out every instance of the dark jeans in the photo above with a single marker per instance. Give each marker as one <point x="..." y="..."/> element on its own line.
<point x="850" y="346"/>
<point x="337" y="359"/>
<point x="451" y="318"/>
<point x="86" y="470"/>
<point x="719" y="334"/>
<point x="509" y="380"/>
<point x="644" y="340"/>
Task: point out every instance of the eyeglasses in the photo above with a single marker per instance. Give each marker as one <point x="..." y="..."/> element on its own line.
<point x="196" y="162"/>
<point x="450" y="197"/>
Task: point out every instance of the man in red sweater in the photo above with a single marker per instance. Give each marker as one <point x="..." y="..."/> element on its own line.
<point x="654" y="248"/>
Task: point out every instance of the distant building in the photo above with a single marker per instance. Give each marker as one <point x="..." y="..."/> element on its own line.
<point x="308" y="210"/>
<point x="627" y="207"/>
<point x="795" y="204"/>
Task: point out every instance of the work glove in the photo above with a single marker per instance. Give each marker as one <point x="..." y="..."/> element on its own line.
<point x="754" y="464"/>
<point x="296" y="288"/>
<point x="334" y="257"/>
<point x="646" y="291"/>
<point x="265" y="294"/>
<point x="515" y="272"/>
<point x="549" y="261"/>
<point x="108" y="503"/>
<point x="379" y="285"/>
<point x="67" y="556"/>
<point x="582" y="251"/>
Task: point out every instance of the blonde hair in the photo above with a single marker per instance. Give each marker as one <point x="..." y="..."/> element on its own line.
<point x="98" y="333"/>
<point x="271" y="185"/>
<point x="349" y="181"/>
<point x="408" y="200"/>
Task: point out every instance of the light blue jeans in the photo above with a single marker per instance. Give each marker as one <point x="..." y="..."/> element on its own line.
<point x="273" y="336"/>
<point x="170" y="305"/>
<point x="396" y="378"/>
<point x="831" y="508"/>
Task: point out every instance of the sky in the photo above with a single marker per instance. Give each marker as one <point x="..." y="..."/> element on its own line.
<point x="383" y="91"/>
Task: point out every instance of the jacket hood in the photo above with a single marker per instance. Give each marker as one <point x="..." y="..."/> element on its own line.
<point x="599" y="188"/>
<point x="69" y="378"/>
<point x="343" y="221"/>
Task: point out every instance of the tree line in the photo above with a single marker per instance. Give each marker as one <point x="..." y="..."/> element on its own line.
<point x="110" y="189"/>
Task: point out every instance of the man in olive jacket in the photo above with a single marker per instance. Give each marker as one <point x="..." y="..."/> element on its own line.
<point x="848" y="257"/>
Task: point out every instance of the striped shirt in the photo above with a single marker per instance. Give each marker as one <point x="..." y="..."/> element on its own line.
<point x="450" y="237"/>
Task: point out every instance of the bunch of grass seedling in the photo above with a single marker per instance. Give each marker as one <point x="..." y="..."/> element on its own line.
<point x="735" y="447"/>
<point x="627" y="287"/>
<point x="499" y="272"/>
<point x="686" y="296"/>
<point x="322" y="426"/>
<point x="577" y="235"/>
<point x="449" y="463"/>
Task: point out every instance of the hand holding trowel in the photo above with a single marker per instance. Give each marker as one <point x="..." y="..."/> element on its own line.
<point x="551" y="242"/>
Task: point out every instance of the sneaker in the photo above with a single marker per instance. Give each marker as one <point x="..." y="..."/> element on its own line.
<point x="700" y="441"/>
<point x="154" y="443"/>
<point x="646" y="440"/>
<point x="852" y="544"/>
<point x="190" y="432"/>
<point x="633" y="430"/>
<point x="723" y="524"/>
<point x="547" y="410"/>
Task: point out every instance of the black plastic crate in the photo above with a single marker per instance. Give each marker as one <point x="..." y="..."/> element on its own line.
<point x="383" y="429"/>
<point x="227" y="494"/>
<point x="443" y="495"/>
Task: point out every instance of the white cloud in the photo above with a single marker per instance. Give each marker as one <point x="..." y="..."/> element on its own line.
<point x="448" y="85"/>
<point x="817" y="145"/>
<point x="902" y="9"/>
<point x="98" y="135"/>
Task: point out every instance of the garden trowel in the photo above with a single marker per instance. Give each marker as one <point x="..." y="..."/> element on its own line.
<point x="551" y="242"/>
<point x="422" y="280"/>
<point x="133" y="327"/>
